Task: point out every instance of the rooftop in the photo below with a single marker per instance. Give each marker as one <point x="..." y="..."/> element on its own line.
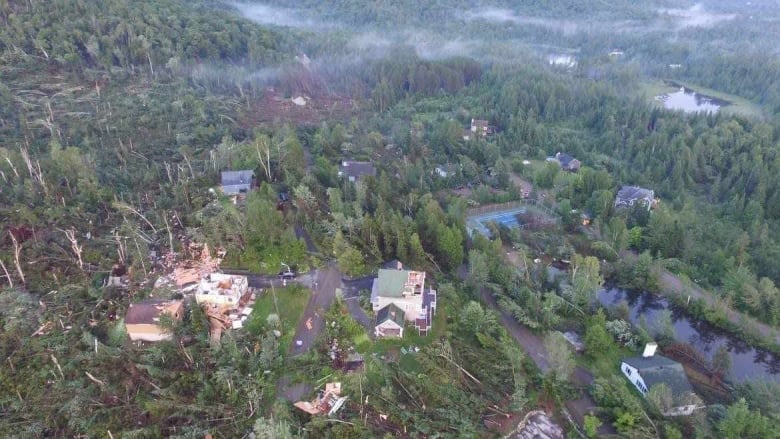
<point x="148" y="312"/>
<point x="634" y="193"/>
<point x="390" y="312"/>
<point x="659" y="369"/>
<point x="357" y="169"/>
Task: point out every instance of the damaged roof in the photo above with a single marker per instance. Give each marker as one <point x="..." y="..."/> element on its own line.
<point x="149" y="311"/>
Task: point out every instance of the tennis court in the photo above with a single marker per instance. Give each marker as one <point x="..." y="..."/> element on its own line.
<point x="507" y="218"/>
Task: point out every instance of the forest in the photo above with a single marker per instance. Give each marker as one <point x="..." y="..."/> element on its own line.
<point x="117" y="118"/>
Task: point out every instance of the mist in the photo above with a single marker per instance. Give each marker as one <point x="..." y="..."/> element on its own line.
<point x="271" y="15"/>
<point x="696" y="16"/>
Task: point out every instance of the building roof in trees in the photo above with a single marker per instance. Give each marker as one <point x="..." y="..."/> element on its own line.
<point x="390" y="312"/>
<point x="234" y="182"/>
<point x="635" y="193"/>
<point x="357" y="169"/>
<point x="659" y="369"/>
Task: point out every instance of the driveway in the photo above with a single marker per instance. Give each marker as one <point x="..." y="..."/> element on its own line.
<point x="359" y="314"/>
<point x="533" y="345"/>
<point x="352" y="287"/>
<point x="324" y="284"/>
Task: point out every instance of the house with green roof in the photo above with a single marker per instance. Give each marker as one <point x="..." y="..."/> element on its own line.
<point x="650" y="370"/>
<point x="406" y="290"/>
<point x="390" y="322"/>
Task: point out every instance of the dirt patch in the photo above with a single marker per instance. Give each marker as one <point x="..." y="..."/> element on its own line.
<point x="537" y="425"/>
<point x="309" y="110"/>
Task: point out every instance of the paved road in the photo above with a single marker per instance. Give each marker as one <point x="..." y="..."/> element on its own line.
<point x="323" y="294"/>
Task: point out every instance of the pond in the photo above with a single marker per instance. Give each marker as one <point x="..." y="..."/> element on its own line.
<point x="689" y="101"/>
<point x="747" y="363"/>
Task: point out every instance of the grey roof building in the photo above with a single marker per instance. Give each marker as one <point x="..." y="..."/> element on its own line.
<point x="236" y="182"/>
<point x="629" y="196"/>
<point x="650" y="370"/>
<point x="356" y="170"/>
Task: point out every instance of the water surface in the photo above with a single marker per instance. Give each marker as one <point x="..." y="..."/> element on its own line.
<point x="746" y="362"/>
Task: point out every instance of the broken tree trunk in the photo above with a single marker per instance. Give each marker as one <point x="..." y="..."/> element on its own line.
<point x="17" y="254"/>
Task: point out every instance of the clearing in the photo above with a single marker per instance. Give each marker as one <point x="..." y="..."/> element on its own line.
<point x="737" y="105"/>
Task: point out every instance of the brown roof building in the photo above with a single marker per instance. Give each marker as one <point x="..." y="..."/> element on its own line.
<point x="142" y="321"/>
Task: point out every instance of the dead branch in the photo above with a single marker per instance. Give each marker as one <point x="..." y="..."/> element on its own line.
<point x="74" y="245"/>
<point x="17" y="254"/>
<point x="95" y="380"/>
<point x="7" y="276"/>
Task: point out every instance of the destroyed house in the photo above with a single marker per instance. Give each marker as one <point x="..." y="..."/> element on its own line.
<point x="142" y="321"/>
<point x="221" y="289"/>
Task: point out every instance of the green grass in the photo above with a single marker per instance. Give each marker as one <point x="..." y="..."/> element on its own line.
<point x="739" y="106"/>
<point x="605" y="363"/>
<point x="290" y="303"/>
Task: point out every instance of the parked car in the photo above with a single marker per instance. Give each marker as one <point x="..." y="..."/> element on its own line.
<point x="287" y="274"/>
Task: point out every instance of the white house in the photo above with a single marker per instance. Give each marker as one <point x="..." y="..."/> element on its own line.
<point x="405" y="289"/>
<point x="650" y="370"/>
<point x="221" y="289"/>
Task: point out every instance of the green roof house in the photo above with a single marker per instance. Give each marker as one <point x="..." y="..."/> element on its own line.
<point x="650" y="370"/>
<point x="390" y="322"/>
<point x="405" y="289"/>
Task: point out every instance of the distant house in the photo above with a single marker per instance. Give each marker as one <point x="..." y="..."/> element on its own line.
<point x="142" y="321"/>
<point x="567" y="162"/>
<point x="479" y="128"/>
<point x="221" y="289"/>
<point x="236" y="182"/>
<point x="446" y="171"/>
<point x="354" y="171"/>
<point x="406" y="290"/>
<point x="390" y="322"/>
<point x="629" y="196"/>
<point x="650" y="370"/>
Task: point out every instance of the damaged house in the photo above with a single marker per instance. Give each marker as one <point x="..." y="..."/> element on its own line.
<point x="142" y="321"/>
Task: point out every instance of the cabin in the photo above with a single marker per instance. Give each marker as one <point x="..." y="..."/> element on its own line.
<point x="405" y="289"/>
<point x="237" y="182"/>
<point x="567" y="162"/>
<point x="354" y="171"/>
<point x="630" y="196"/>
<point x="142" y="321"/>
<point x="479" y="128"/>
<point x="650" y="370"/>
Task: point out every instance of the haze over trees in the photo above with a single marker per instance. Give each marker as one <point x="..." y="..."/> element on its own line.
<point x="116" y="119"/>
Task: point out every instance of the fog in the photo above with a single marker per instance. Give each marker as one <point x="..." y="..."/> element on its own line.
<point x="265" y="14"/>
<point x="498" y="15"/>
<point x="696" y="16"/>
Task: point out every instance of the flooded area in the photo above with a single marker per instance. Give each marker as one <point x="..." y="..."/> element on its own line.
<point x="747" y="363"/>
<point x="689" y="101"/>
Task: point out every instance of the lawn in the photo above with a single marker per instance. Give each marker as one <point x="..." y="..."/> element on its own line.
<point x="290" y="304"/>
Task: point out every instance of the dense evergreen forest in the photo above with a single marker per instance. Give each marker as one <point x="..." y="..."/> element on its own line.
<point x="116" y="119"/>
